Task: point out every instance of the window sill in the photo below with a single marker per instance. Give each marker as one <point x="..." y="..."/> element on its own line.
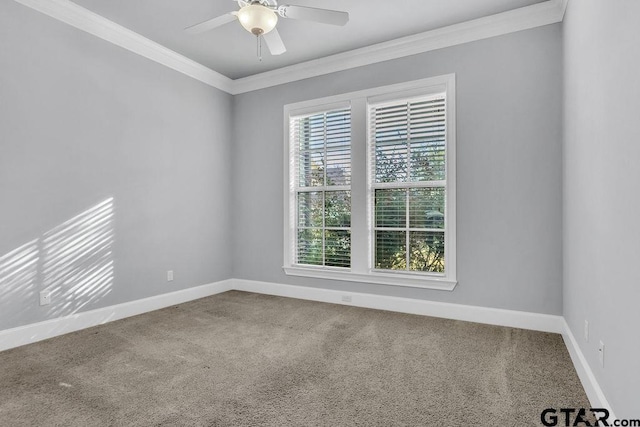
<point x="377" y="278"/>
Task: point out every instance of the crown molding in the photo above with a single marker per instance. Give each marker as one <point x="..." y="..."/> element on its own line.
<point x="545" y="13"/>
<point x="77" y="16"/>
<point x="563" y="6"/>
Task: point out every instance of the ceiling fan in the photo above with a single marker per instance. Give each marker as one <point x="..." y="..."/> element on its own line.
<point x="260" y="17"/>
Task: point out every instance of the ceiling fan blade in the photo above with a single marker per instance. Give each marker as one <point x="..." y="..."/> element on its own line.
<point x="274" y="42"/>
<point x="325" y="16"/>
<point x="211" y="23"/>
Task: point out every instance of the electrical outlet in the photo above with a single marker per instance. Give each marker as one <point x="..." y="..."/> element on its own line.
<point x="601" y="354"/>
<point x="170" y="276"/>
<point x="346" y="298"/>
<point x="45" y="297"/>
<point x="586" y="330"/>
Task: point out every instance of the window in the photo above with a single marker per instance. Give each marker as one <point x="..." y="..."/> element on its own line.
<point x="322" y="188"/>
<point x="408" y="144"/>
<point x="371" y="186"/>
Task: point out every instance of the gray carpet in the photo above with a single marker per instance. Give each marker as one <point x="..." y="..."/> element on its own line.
<point x="247" y="359"/>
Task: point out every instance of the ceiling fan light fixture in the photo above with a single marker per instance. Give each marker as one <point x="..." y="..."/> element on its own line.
<point x="257" y="19"/>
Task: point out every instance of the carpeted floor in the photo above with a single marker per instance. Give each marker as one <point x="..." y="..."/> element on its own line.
<point x="241" y="359"/>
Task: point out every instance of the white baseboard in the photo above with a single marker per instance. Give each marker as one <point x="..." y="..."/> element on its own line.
<point x="15" y="337"/>
<point x="469" y="313"/>
<point x="587" y="378"/>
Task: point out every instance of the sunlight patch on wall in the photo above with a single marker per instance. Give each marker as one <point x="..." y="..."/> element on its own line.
<point x="18" y="279"/>
<point x="78" y="262"/>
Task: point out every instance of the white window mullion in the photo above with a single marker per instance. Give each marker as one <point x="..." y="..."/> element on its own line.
<point x="359" y="188"/>
<point x="408" y="190"/>
<point x="324" y="193"/>
<point x="324" y="221"/>
<point x="407" y="237"/>
<point x="416" y="184"/>
<point x="319" y="189"/>
<point x="450" y="168"/>
<point x="408" y="144"/>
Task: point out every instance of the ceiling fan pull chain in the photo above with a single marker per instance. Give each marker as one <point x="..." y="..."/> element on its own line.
<point x="259" y="47"/>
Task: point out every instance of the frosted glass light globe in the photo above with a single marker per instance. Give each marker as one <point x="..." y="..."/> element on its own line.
<point x="257" y="19"/>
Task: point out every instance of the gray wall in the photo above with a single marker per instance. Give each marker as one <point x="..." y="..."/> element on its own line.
<point x="114" y="169"/>
<point x="602" y="191"/>
<point x="83" y="122"/>
<point x="509" y="93"/>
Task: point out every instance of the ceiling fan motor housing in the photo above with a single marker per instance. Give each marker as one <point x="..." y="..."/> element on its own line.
<point x="257" y="19"/>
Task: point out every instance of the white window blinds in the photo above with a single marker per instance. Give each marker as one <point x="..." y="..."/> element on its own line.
<point x="322" y="162"/>
<point x="408" y="141"/>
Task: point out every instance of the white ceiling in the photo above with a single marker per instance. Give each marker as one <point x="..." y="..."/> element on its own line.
<point x="231" y="51"/>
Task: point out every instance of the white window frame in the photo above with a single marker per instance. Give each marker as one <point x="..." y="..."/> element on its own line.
<point x="362" y="187"/>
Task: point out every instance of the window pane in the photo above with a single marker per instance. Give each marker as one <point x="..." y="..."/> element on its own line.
<point x="338" y="248"/>
<point x="391" y="123"/>
<point x="339" y="167"/>
<point x="391" y="162"/>
<point x="426" y="208"/>
<point x="338" y="209"/>
<point x="339" y="129"/>
<point x="427" y="135"/>
<point x="311" y="164"/>
<point x="391" y="250"/>
<point x="426" y="251"/>
<point x="391" y="136"/>
<point x="310" y="246"/>
<point x="311" y="132"/>
<point x="427" y="117"/>
<point x="428" y="160"/>
<point x="310" y="209"/>
<point x="391" y="208"/>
